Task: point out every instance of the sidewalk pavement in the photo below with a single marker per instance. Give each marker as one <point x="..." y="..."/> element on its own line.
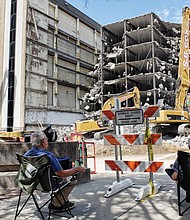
<point x="92" y="205"/>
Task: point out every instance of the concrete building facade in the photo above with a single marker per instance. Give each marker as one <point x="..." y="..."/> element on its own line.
<point x="47" y="50"/>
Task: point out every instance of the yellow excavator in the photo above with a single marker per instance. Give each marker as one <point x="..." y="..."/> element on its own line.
<point x="95" y="126"/>
<point x="177" y="120"/>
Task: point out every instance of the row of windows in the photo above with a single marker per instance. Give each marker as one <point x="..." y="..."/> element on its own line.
<point x="66" y="58"/>
<point x="11" y="65"/>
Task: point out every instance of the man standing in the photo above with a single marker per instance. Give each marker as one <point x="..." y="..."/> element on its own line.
<point x="39" y="146"/>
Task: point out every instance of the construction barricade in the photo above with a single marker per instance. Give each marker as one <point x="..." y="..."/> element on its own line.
<point x="128" y="117"/>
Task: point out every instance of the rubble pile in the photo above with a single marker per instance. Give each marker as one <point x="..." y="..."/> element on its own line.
<point x="64" y="131"/>
<point x="179" y="141"/>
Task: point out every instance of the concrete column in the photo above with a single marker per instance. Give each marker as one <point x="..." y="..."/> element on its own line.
<point x="153" y="58"/>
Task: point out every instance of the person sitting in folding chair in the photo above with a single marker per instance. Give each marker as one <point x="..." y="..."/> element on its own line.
<point x="173" y="171"/>
<point x="176" y="173"/>
<point x="39" y="145"/>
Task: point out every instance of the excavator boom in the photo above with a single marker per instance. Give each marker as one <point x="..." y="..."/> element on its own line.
<point x="183" y="69"/>
<point x="89" y="126"/>
<point x="177" y="120"/>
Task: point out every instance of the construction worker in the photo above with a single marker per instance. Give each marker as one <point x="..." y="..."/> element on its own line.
<point x="39" y="146"/>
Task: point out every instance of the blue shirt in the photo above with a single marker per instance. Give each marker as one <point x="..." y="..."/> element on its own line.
<point x="34" y="151"/>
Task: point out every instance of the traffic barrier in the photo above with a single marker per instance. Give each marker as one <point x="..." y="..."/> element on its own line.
<point x="127" y="117"/>
<point x="135" y="166"/>
<point x="131" y="139"/>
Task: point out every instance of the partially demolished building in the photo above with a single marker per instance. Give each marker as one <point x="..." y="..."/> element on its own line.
<point x="49" y="63"/>
<point x="47" y="49"/>
<point x="141" y="51"/>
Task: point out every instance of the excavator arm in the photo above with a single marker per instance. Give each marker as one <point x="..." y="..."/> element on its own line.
<point x="183" y="68"/>
<point x="133" y="93"/>
<point x="177" y="121"/>
<point x="89" y="126"/>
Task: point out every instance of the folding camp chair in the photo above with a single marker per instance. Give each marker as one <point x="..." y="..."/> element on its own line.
<point x="183" y="180"/>
<point x="35" y="173"/>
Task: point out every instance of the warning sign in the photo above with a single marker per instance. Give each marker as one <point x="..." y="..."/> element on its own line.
<point x="129" y="117"/>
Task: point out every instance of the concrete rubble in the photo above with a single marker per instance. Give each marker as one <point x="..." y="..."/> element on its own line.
<point x="179" y="141"/>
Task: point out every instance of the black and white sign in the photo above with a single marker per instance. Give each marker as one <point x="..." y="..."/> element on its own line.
<point x="129" y="117"/>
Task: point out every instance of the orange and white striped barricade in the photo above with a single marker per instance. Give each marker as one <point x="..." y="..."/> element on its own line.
<point x="152" y="111"/>
<point x="108" y="115"/>
<point x="126" y="117"/>
<point x="131" y="139"/>
<point x="134" y="166"/>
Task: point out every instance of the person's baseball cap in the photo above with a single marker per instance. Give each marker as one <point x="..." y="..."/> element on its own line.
<point x="37" y="136"/>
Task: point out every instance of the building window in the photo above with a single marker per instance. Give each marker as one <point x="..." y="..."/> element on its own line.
<point x="50" y="41"/>
<point x="51" y="10"/>
<point x="50" y="69"/>
<point x="50" y="93"/>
